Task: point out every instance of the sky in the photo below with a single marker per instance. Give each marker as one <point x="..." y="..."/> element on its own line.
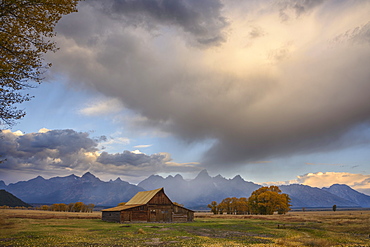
<point x="276" y="91"/>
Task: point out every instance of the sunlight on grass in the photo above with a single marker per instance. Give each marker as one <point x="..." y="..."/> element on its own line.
<point x="295" y="229"/>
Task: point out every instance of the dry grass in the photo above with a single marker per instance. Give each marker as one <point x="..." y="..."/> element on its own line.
<point x="354" y="216"/>
<point x="321" y="229"/>
<point x="38" y="214"/>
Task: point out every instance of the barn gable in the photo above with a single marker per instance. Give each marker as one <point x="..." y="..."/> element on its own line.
<point x="144" y="197"/>
<point x="148" y="206"/>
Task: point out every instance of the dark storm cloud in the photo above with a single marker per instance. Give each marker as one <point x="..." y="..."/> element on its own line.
<point x="65" y="141"/>
<point x="66" y="151"/>
<point x="59" y="148"/>
<point x="200" y="18"/>
<point x="308" y="96"/>
<point x="131" y="159"/>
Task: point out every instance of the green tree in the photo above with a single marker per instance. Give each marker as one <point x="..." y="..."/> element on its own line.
<point x="267" y="200"/>
<point x="26" y="29"/>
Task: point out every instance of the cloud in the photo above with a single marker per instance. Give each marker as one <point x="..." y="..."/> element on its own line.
<point x="61" y="152"/>
<point x="202" y="19"/>
<point x="359" y="182"/>
<point x="104" y="107"/>
<point x="290" y="8"/>
<point x="43" y="130"/>
<point x="204" y="72"/>
<point x="54" y="149"/>
<point x="143" y="146"/>
<point x="323" y="164"/>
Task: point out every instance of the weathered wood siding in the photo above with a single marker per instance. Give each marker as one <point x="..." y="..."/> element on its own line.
<point x="160" y="199"/>
<point x="136" y="214"/>
<point x="160" y="213"/>
<point x="111" y="216"/>
<point x="181" y="214"/>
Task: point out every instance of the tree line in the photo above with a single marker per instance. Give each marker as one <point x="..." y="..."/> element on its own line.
<point x="71" y="207"/>
<point x="265" y="200"/>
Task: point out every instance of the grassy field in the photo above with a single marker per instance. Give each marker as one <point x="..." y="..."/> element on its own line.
<point x="42" y="228"/>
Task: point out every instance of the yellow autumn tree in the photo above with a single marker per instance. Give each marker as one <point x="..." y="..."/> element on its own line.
<point x="230" y="205"/>
<point x="214" y="207"/>
<point x="267" y="200"/>
<point x="225" y="205"/>
<point x="26" y="29"/>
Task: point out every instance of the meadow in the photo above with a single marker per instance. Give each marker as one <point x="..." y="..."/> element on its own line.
<point x="314" y="228"/>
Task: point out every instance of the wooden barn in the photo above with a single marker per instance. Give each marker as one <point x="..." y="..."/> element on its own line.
<point x="148" y="206"/>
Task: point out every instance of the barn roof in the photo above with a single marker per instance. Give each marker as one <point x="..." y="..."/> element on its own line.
<point x="120" y="208"/>
<point x="143" y="197"/>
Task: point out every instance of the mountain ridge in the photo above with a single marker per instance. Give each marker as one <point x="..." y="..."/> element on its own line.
<point x="196" y="193"/>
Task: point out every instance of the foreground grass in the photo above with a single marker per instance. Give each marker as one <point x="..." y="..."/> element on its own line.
<point x="35" y="228"/>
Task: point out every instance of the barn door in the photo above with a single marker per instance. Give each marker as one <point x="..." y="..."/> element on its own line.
<point x="152" y="215"/>
<point x="125" y="216"/>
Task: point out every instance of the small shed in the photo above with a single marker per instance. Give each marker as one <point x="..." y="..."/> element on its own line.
<point x="148" y="206"/>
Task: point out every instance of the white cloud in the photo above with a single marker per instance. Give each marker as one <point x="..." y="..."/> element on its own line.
<point x="102" y="107"/>
<point x="15" y="133"/>
<point x="44" y="130"/>
<point x="325" y="179"/>
<point x="360" y="182"/>
<point x="115" y="142"/>
<point x="143" y="146"/>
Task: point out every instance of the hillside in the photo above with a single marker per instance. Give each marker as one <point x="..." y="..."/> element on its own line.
<point x="306" y="196"/>
<point x="8" y="199"/>
<point x="346" y="192"/>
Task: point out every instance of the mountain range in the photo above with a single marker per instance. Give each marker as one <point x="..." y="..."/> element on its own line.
<point x="196" y="193"/>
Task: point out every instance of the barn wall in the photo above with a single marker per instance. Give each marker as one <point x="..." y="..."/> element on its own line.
<point x="159" y="209"/>
<point x="160" y="199"/>
<point x="190" y="215"/>
<point x="137" y="214"/>
<point x="160" y="213"/>
<point x="111" y="216"/>
<point x="181" y="214"/>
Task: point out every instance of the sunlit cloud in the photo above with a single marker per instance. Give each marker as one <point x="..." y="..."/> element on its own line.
<point x="261" y="78"/>
<point x="44" y="130"/>
<point x="143" y="146"/>
<point x="360" y="182"/>
<point x="102" y="107"/>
